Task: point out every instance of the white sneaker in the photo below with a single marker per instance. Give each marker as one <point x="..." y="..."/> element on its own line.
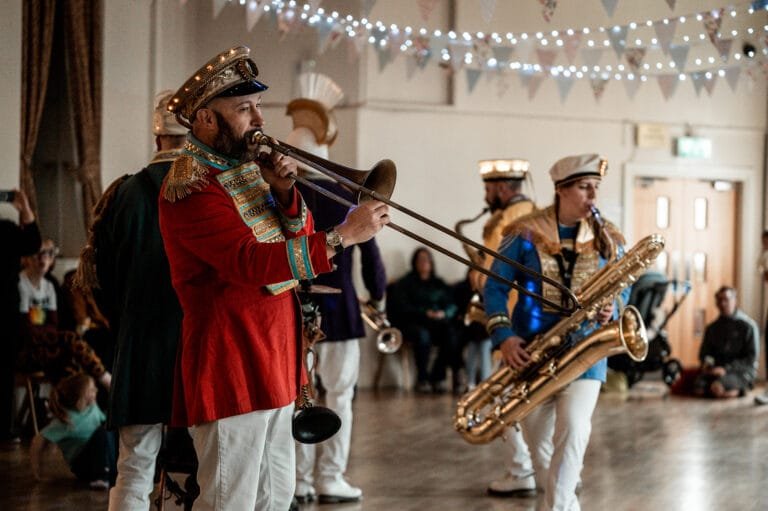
<point x="513" y="486"/>
<point x="304" y="492"/>
<point x="338" y="490"/>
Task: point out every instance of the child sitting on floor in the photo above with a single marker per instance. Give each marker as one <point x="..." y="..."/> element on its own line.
<point x="78" y="430"/>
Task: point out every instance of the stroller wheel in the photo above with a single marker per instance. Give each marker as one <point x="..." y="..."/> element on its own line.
<point x="671" y="371"/>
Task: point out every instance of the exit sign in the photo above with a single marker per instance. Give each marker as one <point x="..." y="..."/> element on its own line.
<point x="694" y="147"/>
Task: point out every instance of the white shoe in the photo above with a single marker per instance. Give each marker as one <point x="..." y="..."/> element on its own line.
<point x="304" y="492"/>
<point x="513" y="486"/>
<point x="338" y="490"/>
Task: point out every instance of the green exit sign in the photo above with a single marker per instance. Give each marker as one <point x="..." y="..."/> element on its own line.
<point x="694" y="147"/>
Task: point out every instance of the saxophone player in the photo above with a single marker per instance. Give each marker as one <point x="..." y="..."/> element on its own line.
<point x="503" y="181"/>
<point x="568" y="242"/>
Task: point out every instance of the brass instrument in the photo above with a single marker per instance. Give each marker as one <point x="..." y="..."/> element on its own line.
<point x="388" y="338"/>
<point x="378" y="183"/>
<point x="475" y="311"/>
<point x="474" y="255"/>
<point x="559" y="356"/>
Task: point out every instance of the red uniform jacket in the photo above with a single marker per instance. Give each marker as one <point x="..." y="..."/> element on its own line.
<point x="238" y="351"/>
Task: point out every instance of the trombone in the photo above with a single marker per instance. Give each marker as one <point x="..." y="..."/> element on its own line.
<point x="379" y="184"/>
<point x="388" y="338"/>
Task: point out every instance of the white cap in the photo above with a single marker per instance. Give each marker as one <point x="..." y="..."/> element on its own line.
<point x="571" y="168"/>
<point x="163" y="121"/>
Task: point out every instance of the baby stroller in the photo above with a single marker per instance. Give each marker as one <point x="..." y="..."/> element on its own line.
<point x="647" y="295"/>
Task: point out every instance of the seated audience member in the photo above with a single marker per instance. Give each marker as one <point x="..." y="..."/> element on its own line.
<point x="728" y="351"/>
<point x="470" y="325"/>
<point x="425" y="312"/>
<point x="38" y="300"/>
<point x="78" y="430"/>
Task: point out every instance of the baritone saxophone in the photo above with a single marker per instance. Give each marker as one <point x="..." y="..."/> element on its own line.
<point x="563" y="353"/>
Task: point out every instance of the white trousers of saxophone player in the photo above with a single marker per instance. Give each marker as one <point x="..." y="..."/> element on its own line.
<point x="338" y="365"/>
<point x="246" y="461"/>
<point x="557" y="431"/>
<point x="139" y="445"/>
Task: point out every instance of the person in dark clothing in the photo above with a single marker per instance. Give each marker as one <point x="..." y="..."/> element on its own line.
<point x="19" y="240"/>
<point x="728" y="353"/>
<point x="425" y="311"/>
<point x="132" y="287"/>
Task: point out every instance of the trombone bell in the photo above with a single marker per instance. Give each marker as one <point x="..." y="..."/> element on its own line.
<point x="389" y="338"/>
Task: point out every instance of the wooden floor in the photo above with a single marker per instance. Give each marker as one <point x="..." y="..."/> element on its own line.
<point x="646" y="453"/>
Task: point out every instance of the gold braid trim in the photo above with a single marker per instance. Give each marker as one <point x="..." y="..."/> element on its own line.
<point x="534" y="226"/>
<point x="185" y="176"/>
<point x="85" y="277"/>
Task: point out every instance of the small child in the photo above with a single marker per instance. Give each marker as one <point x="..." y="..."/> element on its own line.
<point x="78" y="430"/>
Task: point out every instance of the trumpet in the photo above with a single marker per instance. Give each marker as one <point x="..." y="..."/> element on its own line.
<point x="388" y="338"/>
<point x="378" y="183"/>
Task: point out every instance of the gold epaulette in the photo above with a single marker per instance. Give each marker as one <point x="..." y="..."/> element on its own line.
<point x="185" y="176"/>
<point x="534" y="227"/>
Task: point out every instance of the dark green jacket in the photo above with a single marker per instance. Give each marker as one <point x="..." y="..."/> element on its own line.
<point x="137" y="297"/>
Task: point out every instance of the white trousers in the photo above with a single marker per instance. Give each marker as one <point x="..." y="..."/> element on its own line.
<point x="558" y="433"/>
<point x="517" y="457"/>
<point x="246" y="462"/>
<point x="139" y="446"/>
<point x="338" y="365"/>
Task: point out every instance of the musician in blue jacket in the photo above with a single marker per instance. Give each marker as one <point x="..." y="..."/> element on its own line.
<point x="567" y="243"/>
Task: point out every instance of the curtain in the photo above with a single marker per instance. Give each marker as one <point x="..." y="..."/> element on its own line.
<point x="37" y="34"/>
<point x="83" y="27"/>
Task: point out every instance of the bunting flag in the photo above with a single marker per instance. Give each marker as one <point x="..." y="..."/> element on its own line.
<point x="618" y="38"/>
<point x="564" y="85"/>
<point x="395" y="41"/>
<point x="668" y="84"/>
<point x="286" y="20"/>
<point x="665" y="32"/>
<point x="610" y="6"/>
<point x="525" y="77"/>
<point x="355" y="46"/>
<point x="571" y="46"/>
<point x="709" y="83"/>
<point x="253" y="13"/>
<point x="697" y="79"/>
<point x="632" y="86"/>
<point x="524" y="49"/>
<point x="323" y="35"/>
<point x="473" y="75"/>
<point x="671" y="4"/>
<point x="368" y="6"/>
<point x="635" y="58"/>
<point x="591" y="56"/>
<point x="384" y="57"/>
<point x="724" y="48"/>
<point x="218" y="5"/>
<point x="598" y="84"/>
<point x="679" y="55"/>
<point x="503" y="53"/>
<point x="533" y="85"/>
<point x="732" y="76"/>
<point x="426" y="7"/>
<point x="487" y="8"/>
<point x="546" y="57"/>
<point x="712" y="21"/>
<point x="548" y="9"/>
<point x="423" y="52"/>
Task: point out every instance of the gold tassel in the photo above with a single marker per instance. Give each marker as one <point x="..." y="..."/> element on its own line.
<point x="186" y="176"/>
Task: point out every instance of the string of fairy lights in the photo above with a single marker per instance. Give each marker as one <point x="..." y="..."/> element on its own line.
<point x="481" y="51"/>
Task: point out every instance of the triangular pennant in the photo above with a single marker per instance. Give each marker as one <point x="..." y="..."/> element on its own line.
<point x="618" y="38"/>
<point x="487" y="8"/>
<point x="635" y="58"/>
<point x="679" y="55"/>
<point x="355" y="46"/>
<point x="368" y="6"/>
<point x="610" y="6"/>
<point x="632" y="87"/>
<point x="591" y="56"/>
<point x="285" y="23"/>
<point x="546" y="57"/>
<point x="218" y="5"/>
<point x="671" y="4"/>
<point x="253" y="13"/>
<point x="523" y="50"/>
<point x="323" y="34"/>
<point x="709" y="82"/>
<point x="712" y="21"/>
<point x="668" y="84"/>
<point x="564" y="85"/>
<point x="422" y="51"/>
<point x="384" y="56"/>
<point x="665" y="32"/>
<point x="724" y="48"/>
<point x="473" y="75"/>
<point x="598" y="84"/>
<point x="396" y="40"/>
<point x="548" y="9"/>
<point x="732" y="76"/>
<point x="697" y="79"/>
<point x="571" y="46"/>
<point x="525" y="77"/>
<point x="533" y="85"/>
<point x="502" y="54"/>
<point x="426" y="7"/>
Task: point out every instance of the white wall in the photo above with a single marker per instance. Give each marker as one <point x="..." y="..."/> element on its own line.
<point x="10" y="99"/>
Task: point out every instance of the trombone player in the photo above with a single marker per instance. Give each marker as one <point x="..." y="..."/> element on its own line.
<point x="503" y="181"/>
